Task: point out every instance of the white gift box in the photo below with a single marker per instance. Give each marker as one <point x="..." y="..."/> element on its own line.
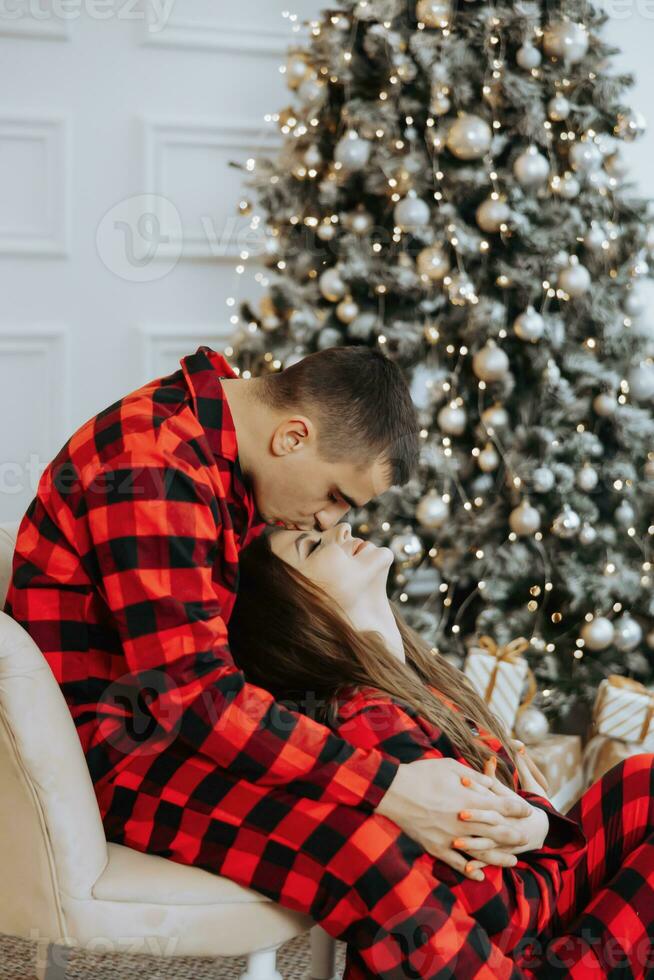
<point x="499" y="682"/>
<point x="624" y="709"/>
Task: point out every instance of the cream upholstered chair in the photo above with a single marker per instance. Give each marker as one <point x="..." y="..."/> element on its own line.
<point x="62" y="882"/>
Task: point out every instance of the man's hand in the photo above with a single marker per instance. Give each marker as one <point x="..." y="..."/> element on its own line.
<point x="438" y="801"/>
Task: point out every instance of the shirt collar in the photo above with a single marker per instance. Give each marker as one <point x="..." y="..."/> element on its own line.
<point x="203" y="371"/>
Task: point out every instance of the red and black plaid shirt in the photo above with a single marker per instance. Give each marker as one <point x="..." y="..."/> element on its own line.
<point x="125" y="575"/>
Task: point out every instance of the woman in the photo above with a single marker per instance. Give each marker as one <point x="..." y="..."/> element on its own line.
<point x="579" y="899"/>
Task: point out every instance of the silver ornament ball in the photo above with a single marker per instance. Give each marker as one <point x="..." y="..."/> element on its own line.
<point x="543" y="479"/>
<point x="524" y="519"/>
<point x="628" y="633"/>
<point x="433" y="262"/>
<point x="531" y="168"/>
<point x="331" y="285"/>
<point x="490" y="363"/>
<point x="411" y="213"/>
<point x="492" y="214"/>
<point x="432" y="511"/>
<point x="529" y="326"/>
<point x="452" y="419"/>
<point x="566" y="524"/>
<point x="598" y="633"/>
<point x="469" y="137"/>
<point x="567" y="40"/>
<point x="531" y="726"/>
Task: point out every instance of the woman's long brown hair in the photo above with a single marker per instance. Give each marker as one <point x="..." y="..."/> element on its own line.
<point x="289" y="637"/>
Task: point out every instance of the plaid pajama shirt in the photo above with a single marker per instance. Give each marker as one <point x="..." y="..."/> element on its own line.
<point x="125" y="574"/>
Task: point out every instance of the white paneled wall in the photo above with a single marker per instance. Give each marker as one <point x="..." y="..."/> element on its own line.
<point x="119" y="226"/>
<point x="119" y="230"/>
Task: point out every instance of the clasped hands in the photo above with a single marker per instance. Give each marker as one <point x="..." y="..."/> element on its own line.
<point x="466" y="818"/>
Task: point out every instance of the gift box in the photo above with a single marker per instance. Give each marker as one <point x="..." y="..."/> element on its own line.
<point x="603" y="752"/>
<point x="624" y="709"/>
<point x="560" y="759"/>
<point x="498" y="674"/>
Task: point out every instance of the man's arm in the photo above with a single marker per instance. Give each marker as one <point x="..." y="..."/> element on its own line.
<point x="154" y="531"/>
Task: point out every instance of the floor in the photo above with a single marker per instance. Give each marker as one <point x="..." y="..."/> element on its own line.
<point x="23" y="960"/>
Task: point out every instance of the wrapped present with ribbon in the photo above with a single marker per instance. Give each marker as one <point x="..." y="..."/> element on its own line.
<point x="560" y="759"/>
<point x="498" y="674"/>
<point x="602" y="752"/>
<point x="624" y="709"/>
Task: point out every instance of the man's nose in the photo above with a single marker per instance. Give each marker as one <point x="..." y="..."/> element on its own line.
<point x="330" y="516"/>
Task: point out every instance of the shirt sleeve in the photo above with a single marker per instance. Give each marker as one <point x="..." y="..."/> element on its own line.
<point x="154" y="534"/>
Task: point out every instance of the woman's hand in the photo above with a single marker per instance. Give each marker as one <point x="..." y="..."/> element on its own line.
<point x="436" y="801"/>
<point x="536" y="825"/>
<point x="531" y="778"/>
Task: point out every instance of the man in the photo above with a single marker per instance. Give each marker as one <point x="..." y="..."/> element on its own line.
<point x="125" y="574"/>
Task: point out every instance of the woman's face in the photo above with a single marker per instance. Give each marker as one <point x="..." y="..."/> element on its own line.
<point x="346" y="568"/>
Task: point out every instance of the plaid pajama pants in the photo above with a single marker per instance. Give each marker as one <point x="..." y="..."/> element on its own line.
<point x="370" y="885"/>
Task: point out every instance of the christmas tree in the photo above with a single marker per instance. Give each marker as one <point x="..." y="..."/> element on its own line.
<point x="450" y="188"/>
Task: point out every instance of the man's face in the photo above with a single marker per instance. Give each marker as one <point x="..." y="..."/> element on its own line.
<point x="298" y="490"/>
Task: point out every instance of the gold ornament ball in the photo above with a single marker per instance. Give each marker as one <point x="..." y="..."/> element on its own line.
<point x="433" y="262"/>
<point x="469" y="137"/>
<point x="492" y="214"/>
<point x="347" y="310"/>
<point x="434" y="13"/>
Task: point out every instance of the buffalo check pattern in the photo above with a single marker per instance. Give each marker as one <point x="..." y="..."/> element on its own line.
<point x="125" y="574"/>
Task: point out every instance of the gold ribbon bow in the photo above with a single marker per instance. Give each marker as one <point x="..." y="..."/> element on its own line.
<point x="508" y="653"/>
<point x="629" y="684"/>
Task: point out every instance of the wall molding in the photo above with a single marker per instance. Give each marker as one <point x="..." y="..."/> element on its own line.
<point x="245" y="140"/>
<point x="216" y="35"/>
<point x="158" y="340"/>
<point x="54" y="132"/>
<point x="51" y="341"/>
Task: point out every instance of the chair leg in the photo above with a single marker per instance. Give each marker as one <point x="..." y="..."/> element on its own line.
<point x="323" y="954"/>
<point x="262" y="965"/>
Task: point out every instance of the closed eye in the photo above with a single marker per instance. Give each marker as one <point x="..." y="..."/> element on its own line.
<point x="313" y="545"/>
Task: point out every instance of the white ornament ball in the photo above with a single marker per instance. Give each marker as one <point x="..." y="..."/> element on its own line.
<point x="529" y="326"/>
<point x="595" y="237"/>
<point x="326" y="231"/>
<point x="567" y="40"/>
<point x="566" y="524"/>
<point x="628" y="633"/>
<point x="452" y="419"/>
<point x="641" y="382"/>
<point x="331" y="285"/>
<point x="624" y="514"/>
<point x="490" y="363"/>
<point x="361" y="222"/>
<point x="488" y="459"/>
<point x="434" y="13"/>
<point x="524" y="519"/>
<point x="587" y="478"/>
<point x="329" y="337"/>
<point x="598" y="633"/>
<point x="495" y="417"/>
<point x="531" y="725"/>
<point x="440" y="105"/>
<point x="407" y="549"/>
<point x="528" y="56"/>
<point x="432" y="511"/>
<point x="587" y="534"/>
<point x="543" y="479"/>
<point x="633" y="304"/>
<point x="312" y="156"/>
<point x="531" y="168"/>
<point x="585" y="157"/>
<point x="347" y="310"/>
<point x="605" y="404"/>
<point x="469" y="137"/>
<point x="567" y="187"/>
<point x="575" y="280"/>
<point x="558" y="108"/>
<point x="411" y="213"/>
<point x="492" y="214"/>
<point x="352" y="152"/>
<point x="433" y="262"/>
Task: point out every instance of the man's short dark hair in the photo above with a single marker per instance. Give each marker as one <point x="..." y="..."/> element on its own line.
<point x="362" y="404"/>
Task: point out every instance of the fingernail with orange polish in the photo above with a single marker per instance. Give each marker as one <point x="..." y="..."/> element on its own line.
<point x="470" y="867"/>
<point x="522" y="750"/>
<point x="465" y="815"/>
<point x="466" y="781"/>
<point x="459" y="843"/>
